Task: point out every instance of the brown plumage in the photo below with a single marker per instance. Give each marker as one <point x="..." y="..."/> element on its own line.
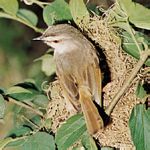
<point x="77" y="67"/>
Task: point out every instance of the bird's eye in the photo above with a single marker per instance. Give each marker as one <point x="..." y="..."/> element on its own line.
<point x="56" y="41"/>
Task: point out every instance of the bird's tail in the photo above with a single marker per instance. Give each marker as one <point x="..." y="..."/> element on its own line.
<point x="93" y="120"/>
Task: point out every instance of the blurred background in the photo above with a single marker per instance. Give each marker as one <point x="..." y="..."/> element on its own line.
<point x="18" y="51"/>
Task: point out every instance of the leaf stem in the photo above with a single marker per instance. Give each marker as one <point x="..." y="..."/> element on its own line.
<point x="143" y="57"/>
<point x="29" y="25"/>
<point x="8" y="140"/>
<point x="41" y="4"/>
<point x="4" y="15"/>
<point x="133" y="37"/>
<point x="26" y="106"/>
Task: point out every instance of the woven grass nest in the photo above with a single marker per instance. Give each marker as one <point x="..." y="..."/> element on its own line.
<point x="117" y="133"/>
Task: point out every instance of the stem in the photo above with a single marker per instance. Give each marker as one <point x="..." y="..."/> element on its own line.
<point x="4" y="15"/>
<point x="29" y="25"/>
<point x="133" y="37"/>
<point x="8" y="140"/>
<point x="33" y="124"/>
<point x="144" y="56"/>
<point x="41" y="4"/>
<point x="26" y="106"/>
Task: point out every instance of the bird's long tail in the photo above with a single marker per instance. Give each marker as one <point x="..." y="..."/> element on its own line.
<point x="93" y="120"/>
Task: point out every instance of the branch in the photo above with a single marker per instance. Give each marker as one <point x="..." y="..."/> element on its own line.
<point x="144" y="56"/>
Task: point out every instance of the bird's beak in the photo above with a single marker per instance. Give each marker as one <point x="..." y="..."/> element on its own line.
<point x="38" y="38"/>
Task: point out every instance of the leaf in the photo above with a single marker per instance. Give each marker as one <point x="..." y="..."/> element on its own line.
<point x="40" y="100"/>
<point x="94" y="8"/>
<point x="27" y="15"/>
<point x="140" y="92"/>
<point x="135" y="12"/>
<point x="10" y="7"/>
<point x="48" y="64"/>
<point x="33" y="122"/>
<point x="79" y="11"/>
<point x="56" y="11"/>
<point x="130" y="47"/>
<point x="28" y="84"/>
<point x="19" y="93"/>
<point x="2" y="106"/>
<point x="140" y="127"/>
<point x="88" y="142"/>
<point x="39" y="141"/>
<point x="70" y="132"/>
<point x="2" y="90"/>
<point x="19" y="131"/>
<point x="48" y="123"/>
<point x="36" y="120"/>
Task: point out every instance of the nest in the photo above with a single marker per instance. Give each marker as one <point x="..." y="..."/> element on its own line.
<point x="116" y="134"/>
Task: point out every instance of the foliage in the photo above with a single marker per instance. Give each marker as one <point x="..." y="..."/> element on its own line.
<point x="79" y="11"/>
<point x="32" y="129"/>
<point x="70" y="132"/>
<point x="139" y="125"/>
<point x="56" y="11"/>
<point x="2" y="106"/>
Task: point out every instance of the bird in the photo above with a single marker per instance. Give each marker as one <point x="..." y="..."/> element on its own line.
<point x="78" y="72"/>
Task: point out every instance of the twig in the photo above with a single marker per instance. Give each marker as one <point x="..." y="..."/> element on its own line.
<point x="144" y="56"/>
<point x="26" y="106"/>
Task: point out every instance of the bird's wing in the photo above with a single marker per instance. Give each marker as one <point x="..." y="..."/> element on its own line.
<point x="94" y="77"/>
<point x="70" y="90"/>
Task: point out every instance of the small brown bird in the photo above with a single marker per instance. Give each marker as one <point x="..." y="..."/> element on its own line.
<point x="77" y="68"/>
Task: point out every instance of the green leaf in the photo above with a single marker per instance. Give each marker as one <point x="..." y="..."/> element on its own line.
<point x="2" y="90"/>
<point x="19" y="93"/>
<point x="130" y="47"/>
<point x="36" y="120"/>
<point x="88" y="142"/>
<point x="79" y="11"/>
<point x="27" y="15"/>
<point x="41" y="100"/>
<point x="135" y="12"/>
<point x="70" y="132"/>
<point x="56" y="11"/>
<point x="19" y="131"/>
<point x="28" y="84"/>
<point x="140" y="127"/>
<point x="140" y="92"/>
<point x="48" y="64"/>
<point x="93" y="7"/>
<point x="37" y="141"/>
<point x="10" y="7"/>
<point x="2" y="106"/>
<point x="48" y="123"/>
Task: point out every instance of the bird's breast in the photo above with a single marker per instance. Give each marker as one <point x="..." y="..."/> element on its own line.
<point x="71" y="61"/>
